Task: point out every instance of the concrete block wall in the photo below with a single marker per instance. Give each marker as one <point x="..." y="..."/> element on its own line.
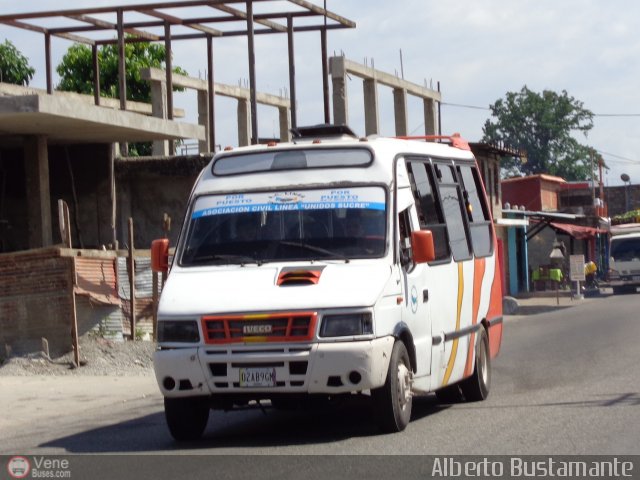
<point x="148" y="188"/>
<point x="616" y="198"/>
<point x="35" y="301"/>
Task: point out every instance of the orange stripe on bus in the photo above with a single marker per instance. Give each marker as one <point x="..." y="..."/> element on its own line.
<point x="479" y="265"/>
<point x="454" y="347"/>
<point x="495" y="311"/>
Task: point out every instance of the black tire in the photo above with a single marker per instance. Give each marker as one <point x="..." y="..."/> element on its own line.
<point x="618" y="290"/>
<point x="393" y="401"/>
<point x="186" y="417"/>
<point x="477" y="386"/>
<point x="449" y="394"/>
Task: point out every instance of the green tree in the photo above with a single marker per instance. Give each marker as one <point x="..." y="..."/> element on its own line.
<point x="542" y="125"/>
<point x="76" y="74"/>
<point x="14" y="66"/>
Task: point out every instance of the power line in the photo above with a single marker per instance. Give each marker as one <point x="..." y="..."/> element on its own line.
<point x="619" y="158"/>
<point x="616" y="114"/>
<point x="477" y="107"/>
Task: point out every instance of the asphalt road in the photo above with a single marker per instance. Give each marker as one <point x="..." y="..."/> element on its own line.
<point x="566" y="382"/>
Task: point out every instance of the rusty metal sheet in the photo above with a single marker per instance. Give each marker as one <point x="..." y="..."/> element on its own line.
<point x="96" y="278"/>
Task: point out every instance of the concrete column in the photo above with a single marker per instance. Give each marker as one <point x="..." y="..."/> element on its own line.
<point x="244" y="122"/>
<point x="513" y="261"/>
<point x="102" y="195"/>
<point x="371" y="119"/>
<point x="400" y="110"/>
<point x="430" y="117"/>
<point x="525" y="258"/>
<point x="36" y="162"/>
<point x="283" y="116"/>
<point x="339" y="82"/>
<point x="159" y="110"/>
<point x="203" y="119"/>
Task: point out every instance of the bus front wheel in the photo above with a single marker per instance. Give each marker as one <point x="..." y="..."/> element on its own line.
<point x="186" y="417"/>
<point x="393" y="401"/>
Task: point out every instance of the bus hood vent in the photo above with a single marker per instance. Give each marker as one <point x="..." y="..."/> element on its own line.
<point x="290" y="276"/>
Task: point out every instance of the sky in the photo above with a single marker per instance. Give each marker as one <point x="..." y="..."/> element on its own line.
<point x="477" y="49"/>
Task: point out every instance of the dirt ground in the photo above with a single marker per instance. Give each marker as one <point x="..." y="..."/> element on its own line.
<point x="97" y="357"/>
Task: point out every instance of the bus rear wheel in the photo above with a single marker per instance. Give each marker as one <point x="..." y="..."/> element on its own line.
<point x="477" y="386"/>
<point x="186" y="417"/>
<point x="393" y="401"/>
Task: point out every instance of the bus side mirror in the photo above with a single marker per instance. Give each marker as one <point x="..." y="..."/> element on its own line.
<point x="160" y="255"/>
<point x="422" y="246"/>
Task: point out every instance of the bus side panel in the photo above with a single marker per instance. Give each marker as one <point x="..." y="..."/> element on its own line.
<point x="478" y="277"/>
<point x="494" y="315"/>
<point x="456" y="351"/>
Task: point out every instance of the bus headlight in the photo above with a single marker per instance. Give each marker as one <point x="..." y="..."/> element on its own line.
<point x="184" y="331"/>
<point x="347" y="325"/>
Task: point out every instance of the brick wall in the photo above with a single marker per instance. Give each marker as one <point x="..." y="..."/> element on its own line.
<point x="36" y="297"/>
<point x="35" y="301"/>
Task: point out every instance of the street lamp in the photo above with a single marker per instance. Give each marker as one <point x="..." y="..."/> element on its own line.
<point x="627" y="180"/>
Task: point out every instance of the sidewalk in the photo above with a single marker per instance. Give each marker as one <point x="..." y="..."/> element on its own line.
<point x="543" y="302"/>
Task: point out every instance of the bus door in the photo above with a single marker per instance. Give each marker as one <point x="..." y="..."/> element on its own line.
<point x="439" y="208"/>
<point x="415" y="312"/>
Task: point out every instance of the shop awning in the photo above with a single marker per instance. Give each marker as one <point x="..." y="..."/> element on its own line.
<point x="576" y="231"/>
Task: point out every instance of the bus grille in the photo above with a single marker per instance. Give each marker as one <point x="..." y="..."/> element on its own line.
<point x="269" y="327"/>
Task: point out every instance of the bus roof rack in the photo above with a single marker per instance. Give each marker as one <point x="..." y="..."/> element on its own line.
<point x="321" y="130"/>
<point x="454" y="140"/>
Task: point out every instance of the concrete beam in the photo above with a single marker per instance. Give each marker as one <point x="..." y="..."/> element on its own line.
<point x="7" y="89"/>
<point x="183" y="81"/>
<point x="383" y="78"/>
<point x="157" y="77"/>
<point x="36" y="163"/>
<point x="63" y="120"/>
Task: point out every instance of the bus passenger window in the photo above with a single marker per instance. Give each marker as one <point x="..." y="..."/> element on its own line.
<point x="406" y="255"/>
<point x="477" y="212"/>
<point x="428" y="207"/>
<point x="454" y="213"/>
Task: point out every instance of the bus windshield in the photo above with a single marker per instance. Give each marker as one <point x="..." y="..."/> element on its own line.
<point x="302" y="225"/>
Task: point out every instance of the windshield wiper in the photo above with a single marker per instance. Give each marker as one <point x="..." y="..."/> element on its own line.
<point x="313" y="248"/>
<point x="213" y="258"/>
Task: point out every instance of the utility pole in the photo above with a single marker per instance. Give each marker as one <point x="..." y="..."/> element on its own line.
<point x="601" y="185"/>
<point x="593" y="180"/>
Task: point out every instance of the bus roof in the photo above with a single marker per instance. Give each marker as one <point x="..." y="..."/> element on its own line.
<point x="338" y="160"/>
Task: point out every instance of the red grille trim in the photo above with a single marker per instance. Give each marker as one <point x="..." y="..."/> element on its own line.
<point x="284" y="327"/>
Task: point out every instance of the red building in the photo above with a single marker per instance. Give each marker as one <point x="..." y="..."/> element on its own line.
<point x="538" y="193"/>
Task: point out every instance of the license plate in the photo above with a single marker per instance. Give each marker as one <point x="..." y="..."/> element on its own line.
<point x="257" y="377"/>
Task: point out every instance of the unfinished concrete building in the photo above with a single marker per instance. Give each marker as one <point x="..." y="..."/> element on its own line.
<point x="56" y="145"/>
